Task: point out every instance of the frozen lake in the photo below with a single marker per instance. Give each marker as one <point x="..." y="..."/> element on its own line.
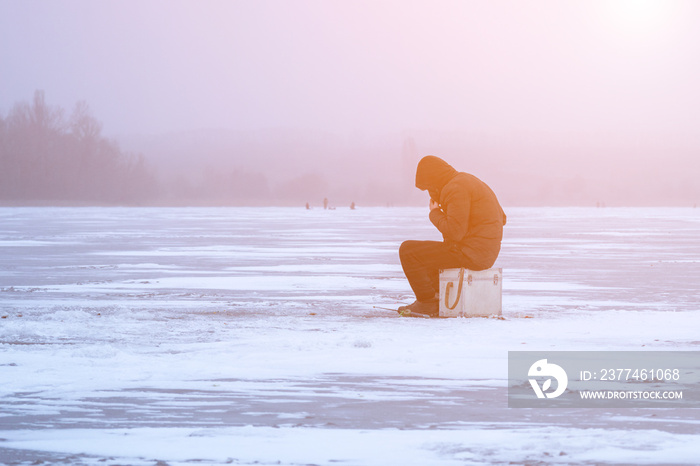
<point x="248" y="335"/>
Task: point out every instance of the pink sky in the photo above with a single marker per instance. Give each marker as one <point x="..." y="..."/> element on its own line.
<point x="554" y="102"/>
<point x="344" y="66"/>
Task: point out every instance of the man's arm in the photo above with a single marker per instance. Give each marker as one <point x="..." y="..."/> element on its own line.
<point x="453" y="222"/>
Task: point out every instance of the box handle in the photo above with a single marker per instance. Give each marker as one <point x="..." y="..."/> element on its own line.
<point x="459" y="291"/>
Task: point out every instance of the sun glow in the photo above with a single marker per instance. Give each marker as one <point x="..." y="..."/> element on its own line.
<point x="638" y="17"/>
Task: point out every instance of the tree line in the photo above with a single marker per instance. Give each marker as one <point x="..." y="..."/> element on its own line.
<point x="48" y="157"/>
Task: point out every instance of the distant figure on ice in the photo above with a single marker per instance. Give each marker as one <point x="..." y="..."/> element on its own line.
<point x="308" y="207"/>
<point x="325" y="202"/>
<point x="352" y="206"/>
<point x="467" y="213"/>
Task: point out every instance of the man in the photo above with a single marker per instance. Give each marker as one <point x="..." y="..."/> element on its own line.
<point x="467" y="213"/>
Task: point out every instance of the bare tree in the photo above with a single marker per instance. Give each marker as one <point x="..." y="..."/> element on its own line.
<point x="44" y="158"/>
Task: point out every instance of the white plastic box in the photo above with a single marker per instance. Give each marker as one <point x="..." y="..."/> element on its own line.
<point x="479" y="296"/>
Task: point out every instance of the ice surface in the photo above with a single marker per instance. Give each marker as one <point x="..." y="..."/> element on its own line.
<point x="137" y="335"/>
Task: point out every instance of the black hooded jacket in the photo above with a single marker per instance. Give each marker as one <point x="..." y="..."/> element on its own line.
<point x="469" y="216"/>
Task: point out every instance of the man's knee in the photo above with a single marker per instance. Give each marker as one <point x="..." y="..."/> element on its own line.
<point x="406" y="247"/>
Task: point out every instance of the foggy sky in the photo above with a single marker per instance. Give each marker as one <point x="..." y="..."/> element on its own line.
<point x="550" y="102"/>
<point x="156" y="66"/>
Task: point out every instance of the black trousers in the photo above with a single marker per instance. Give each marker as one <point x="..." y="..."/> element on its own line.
<point x="422" y="261"/>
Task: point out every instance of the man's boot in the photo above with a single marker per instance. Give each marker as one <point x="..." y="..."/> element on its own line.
<point x="430" y="308"/>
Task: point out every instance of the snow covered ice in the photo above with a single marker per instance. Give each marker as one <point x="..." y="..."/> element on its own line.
<point x="248" y="335"/>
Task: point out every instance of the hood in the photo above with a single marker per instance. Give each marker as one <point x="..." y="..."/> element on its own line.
<point x="433" y="173"/>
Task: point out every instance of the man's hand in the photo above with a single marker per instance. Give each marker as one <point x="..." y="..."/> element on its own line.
<point x="433" y="205"/>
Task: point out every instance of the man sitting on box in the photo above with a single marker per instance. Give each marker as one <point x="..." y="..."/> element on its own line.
<point x="467" y="213"/>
